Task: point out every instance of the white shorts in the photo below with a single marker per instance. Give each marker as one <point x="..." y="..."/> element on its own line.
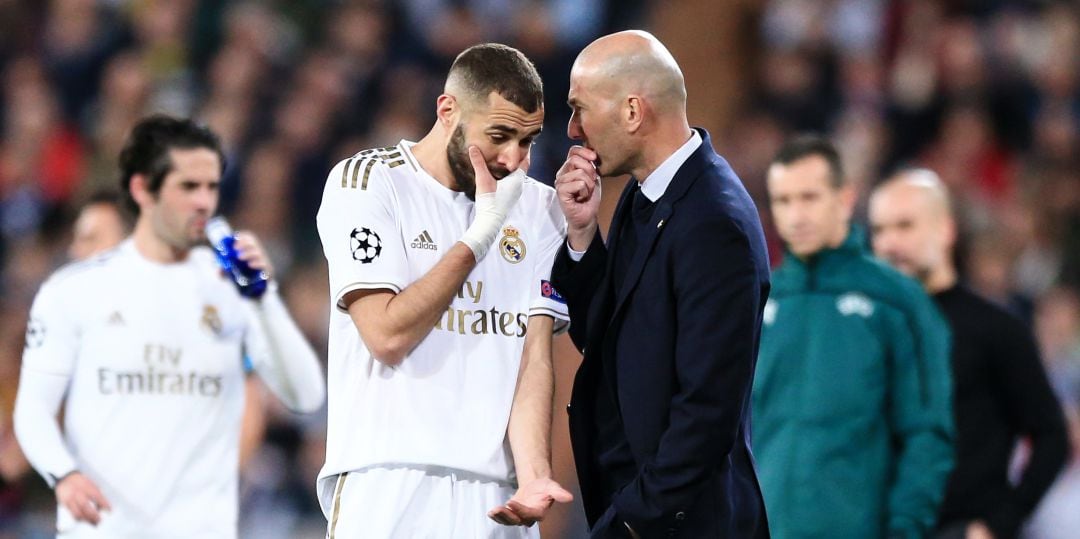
<point x="417" y="503"/>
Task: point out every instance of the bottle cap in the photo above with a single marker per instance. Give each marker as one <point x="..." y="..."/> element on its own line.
<point x="217" y="229"/>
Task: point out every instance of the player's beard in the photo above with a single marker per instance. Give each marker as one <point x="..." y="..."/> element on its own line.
<point x="457" y="154"/>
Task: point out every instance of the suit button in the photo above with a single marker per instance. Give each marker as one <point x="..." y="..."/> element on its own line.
<point x="680" y="516"/>
<point x="671" y="532"/>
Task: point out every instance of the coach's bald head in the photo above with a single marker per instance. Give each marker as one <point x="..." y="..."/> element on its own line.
<point x="634" y="62"/>
<point x="913" y="228"/>
<point x="629" y="99"/>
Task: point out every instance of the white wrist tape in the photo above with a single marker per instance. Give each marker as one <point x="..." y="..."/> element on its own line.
<point x="491" y="211"/>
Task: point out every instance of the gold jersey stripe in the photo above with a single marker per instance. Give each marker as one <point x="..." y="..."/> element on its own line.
<point x="355" y="172"/>
<point x="336" y="504"/>
<point x="391" y="156"/>
<point x="367" y="172"/>
<point x="345" y="173"/>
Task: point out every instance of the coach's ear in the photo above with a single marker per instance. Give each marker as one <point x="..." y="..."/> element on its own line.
<point x="447" y="110"/>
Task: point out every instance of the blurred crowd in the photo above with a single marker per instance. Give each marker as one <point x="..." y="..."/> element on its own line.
<point x="986" y="93"/>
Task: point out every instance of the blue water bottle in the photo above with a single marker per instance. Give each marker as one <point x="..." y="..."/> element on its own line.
<point x="250" y="282"/>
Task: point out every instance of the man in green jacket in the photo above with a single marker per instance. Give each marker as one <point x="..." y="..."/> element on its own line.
<point x="853" y="428"/>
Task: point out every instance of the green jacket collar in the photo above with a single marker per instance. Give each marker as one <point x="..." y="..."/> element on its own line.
<point x="853" y="245"/>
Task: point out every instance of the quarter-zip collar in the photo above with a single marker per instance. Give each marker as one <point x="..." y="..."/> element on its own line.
<point x="808" y="271"/>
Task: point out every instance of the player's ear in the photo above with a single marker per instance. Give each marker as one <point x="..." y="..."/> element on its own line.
<point x="140" y="190"/>
<point x="447" y="110"/>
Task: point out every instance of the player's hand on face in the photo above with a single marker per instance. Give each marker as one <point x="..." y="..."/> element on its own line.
<point x="485" y="182"/>
<point x="506" y="191"/>
<point x="250" y="250"/>
<point x="82" y="498"/>
<point x="530" y="503"/>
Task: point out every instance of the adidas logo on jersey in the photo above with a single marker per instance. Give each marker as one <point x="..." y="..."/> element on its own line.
<point x="424" y="241"/>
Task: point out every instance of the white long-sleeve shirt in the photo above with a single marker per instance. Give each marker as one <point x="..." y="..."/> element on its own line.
<point x="150" y="357"/>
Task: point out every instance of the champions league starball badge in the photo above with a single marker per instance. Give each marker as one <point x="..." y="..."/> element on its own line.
<point x="511" y="247"/>
<point x="35" y="333"/>
<point x="365" y="244"/>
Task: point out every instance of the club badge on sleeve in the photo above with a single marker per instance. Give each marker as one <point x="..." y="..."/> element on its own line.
<point x="365" y="244"/>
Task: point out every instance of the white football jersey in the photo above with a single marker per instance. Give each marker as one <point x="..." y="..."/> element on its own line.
<point x="384" y="222"/>
<point x="154" y="353"/>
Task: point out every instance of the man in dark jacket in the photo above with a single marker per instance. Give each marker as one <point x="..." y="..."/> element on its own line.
<point x="667" y="311"/>
<point x="851" y="401"/>
<point x="1001" y="391"/>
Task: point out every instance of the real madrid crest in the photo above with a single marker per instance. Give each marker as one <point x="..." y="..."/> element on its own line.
<point x="210" y="320"/>
<point x="511" y="246"/>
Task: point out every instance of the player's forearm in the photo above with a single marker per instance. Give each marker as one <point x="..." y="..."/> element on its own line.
<point x="283" y="357"/>
<point x="529" y="429"/>
<point x="391" y="325"/>
<point x="36" y="427"/>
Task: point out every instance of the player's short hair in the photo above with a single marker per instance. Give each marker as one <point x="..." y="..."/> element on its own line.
<point x="807" y="145"/>
<point x="146" y="150"/>
<point x="492" y="67"/>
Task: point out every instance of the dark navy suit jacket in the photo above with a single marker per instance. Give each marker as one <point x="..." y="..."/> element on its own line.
<point x="678" y="343"/>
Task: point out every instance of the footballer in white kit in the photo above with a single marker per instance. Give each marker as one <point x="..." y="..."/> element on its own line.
<point x="146" y="342"/>
<point x="421" y="436"/>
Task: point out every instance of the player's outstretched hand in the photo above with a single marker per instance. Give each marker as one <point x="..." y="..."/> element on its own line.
<point x="530" y="503"/>
<point x="250" y="250"/>
<point x="82" y="498"/>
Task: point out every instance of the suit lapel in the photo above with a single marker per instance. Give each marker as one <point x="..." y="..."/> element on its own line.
<point x="665" y="208"/>
<point x="645" y="242"/>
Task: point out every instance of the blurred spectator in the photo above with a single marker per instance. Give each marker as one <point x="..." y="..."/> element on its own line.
<point x="989" y="272"/>
<point x="14" y="468"/>
<point x="41" y="156"/>
<point x="100" y="226"/>
<point x="124" y="96"/>
<point x="1057" y="323"/>
<point x="1001" y="394"/>
<point x="79" y="37"/>
<point x="161" y="29"/>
